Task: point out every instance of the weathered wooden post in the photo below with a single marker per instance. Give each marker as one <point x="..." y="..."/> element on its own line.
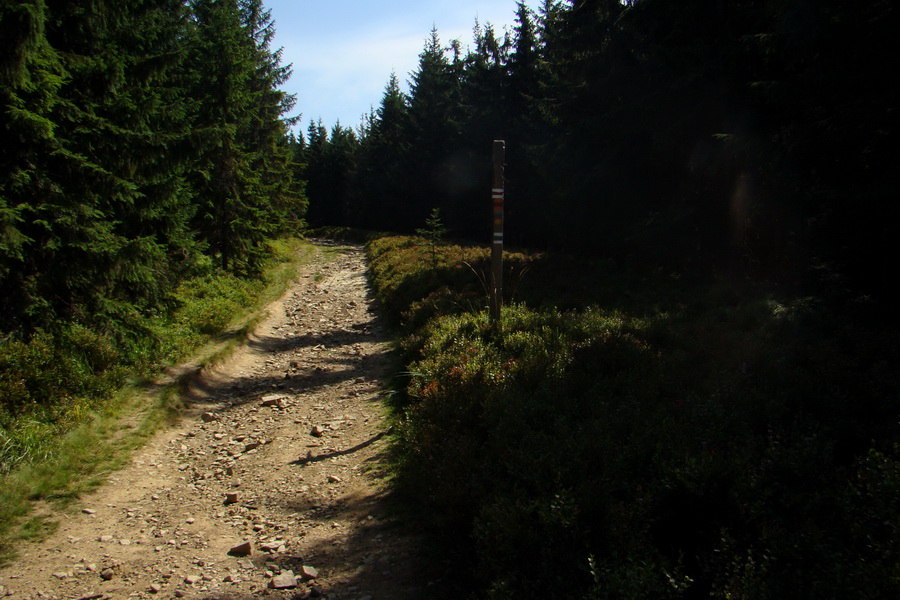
<point x="497" y="247"/>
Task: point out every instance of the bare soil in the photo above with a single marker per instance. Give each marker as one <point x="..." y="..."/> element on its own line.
<point x="283" y="446"/>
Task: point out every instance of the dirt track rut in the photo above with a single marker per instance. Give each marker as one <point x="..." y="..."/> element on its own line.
<point x="283" y="447"/>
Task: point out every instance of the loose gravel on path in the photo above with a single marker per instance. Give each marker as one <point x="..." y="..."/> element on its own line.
<point x="271" y="484"/>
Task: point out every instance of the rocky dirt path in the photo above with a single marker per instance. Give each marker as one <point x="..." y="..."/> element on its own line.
<point x="269" y="487"/>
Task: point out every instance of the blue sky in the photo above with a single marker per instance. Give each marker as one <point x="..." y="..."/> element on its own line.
<point x="343" y="51"/>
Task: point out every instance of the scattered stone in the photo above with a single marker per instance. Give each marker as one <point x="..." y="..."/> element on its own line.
<point x="244" y="549"/>
<point x="286" y="580"/>
<point x="275" y="546"/>
<point x="88" y="511"/>
<point x="210" y="463"/>
<point x="60" y="574"/>
<point x="273" y="400"/>
<point x="190" y="520"/>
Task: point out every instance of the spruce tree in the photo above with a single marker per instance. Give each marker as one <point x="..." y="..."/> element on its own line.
<point x="527" y="132"/>
<point x="266" y="137"/>
<point x="243" y="179"/>
<point x="31" y="75"/>
<point x="434" y="129"/>
<point x="99" y="207"/>
<point x="316" y="172"/>
<point x="484" y="116"/>
<point x="383" y="190"/>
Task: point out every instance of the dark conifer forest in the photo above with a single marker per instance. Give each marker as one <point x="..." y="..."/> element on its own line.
<point x="140" y="140"/>
<point x="726" y="139"/>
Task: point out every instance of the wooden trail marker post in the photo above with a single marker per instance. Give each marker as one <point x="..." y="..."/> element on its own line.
<point x="497" y="193"/>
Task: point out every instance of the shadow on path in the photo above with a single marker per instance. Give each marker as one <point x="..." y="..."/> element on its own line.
<point x="335" y="453"/>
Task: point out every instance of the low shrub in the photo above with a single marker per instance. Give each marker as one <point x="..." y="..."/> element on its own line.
<point x="48" y="383"/>
<point x="723" y="445"/>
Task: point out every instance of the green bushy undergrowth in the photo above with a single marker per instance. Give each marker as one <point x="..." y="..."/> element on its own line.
<point x="49" y="383"/>
<point x="730" y="447"/>
<point x="416" y="279"/>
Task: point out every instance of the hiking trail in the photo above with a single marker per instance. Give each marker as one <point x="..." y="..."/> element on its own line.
<point x="282" y="446"/>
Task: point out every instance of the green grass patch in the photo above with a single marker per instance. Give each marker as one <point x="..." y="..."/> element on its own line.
<point x="653" y="438"/>
<point x="67" y="417"/>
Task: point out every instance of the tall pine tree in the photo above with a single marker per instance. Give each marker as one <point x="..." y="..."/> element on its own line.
<point x="383" y="190"/>
<point x="434" y="131"/>
<point x="99" y="201"/>
<point x="243" y="177"/>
